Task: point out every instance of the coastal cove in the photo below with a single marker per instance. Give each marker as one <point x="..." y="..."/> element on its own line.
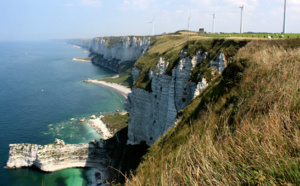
<point x="41" y="89"/>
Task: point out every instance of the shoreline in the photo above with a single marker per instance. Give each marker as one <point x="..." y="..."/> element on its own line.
<point x="100" y="127"/>
<point x="119" y="88"/>
<point x="82" y="60"/>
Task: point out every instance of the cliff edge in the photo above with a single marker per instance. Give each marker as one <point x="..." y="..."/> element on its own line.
<point x="242" y="129"/>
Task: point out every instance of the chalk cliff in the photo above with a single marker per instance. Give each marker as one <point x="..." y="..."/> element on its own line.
<point x="59" y="156"/>
<point x="152" y="113"/>
<point x="112" y="55"/>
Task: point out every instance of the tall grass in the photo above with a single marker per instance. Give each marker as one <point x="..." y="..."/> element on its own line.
<point x="247" y="135"/>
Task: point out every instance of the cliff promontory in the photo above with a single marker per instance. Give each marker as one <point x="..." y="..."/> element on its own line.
<point x="112" y="52"/>
<point x="59" y="155"/>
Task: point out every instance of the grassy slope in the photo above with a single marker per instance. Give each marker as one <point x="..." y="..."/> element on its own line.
<point x="243" y="129"/>
<point x="117" y="121"/>
<point x="168" y="47"/>
<point x="125" y="75"/>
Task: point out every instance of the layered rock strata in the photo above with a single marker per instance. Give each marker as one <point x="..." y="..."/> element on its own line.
<point x="128" y="49"/>
<point x="153" y="113"/>
<point x="59" y="155"/>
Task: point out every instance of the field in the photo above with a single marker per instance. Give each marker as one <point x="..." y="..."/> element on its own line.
<point x="244" y="35"/>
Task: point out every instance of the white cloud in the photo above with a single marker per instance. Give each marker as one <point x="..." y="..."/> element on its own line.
<point x="91" y="2"/>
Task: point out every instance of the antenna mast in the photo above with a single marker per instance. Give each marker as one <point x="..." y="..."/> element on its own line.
<point x="242" y="8"/>
<point x="284" y="18"/>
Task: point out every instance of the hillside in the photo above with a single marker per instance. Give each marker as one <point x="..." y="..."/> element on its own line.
<point x="244" y="128"/>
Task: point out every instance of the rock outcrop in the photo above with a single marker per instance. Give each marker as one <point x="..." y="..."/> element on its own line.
<point x="220" y="62"/>
<point x="153" y="113"/>
<point x="59" y="155"/>
<point x="128" y="49"/>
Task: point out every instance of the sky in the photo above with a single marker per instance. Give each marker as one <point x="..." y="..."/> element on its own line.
<point x="66" y="19"/>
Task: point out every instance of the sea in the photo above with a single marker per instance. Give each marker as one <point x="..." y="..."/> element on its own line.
<point x="41" y="89"/>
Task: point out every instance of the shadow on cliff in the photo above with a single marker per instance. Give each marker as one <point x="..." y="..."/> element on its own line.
<point x="125" y="158"/>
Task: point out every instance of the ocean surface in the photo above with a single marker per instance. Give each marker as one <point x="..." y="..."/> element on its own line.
<point x="41" y="88"/>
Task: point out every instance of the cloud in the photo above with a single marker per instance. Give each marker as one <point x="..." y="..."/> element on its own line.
<point x="91" y="2"/>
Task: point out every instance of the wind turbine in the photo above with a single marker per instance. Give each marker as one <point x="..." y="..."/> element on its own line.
<point x="284" y="18"/>
<point x="189" y="20"/>
<point x="213" y="26"/>
<point x="242" y="8"/>
<point x="152" y="25"/>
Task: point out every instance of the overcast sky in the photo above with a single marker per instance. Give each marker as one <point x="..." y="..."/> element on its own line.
<point x="63" y="19"/>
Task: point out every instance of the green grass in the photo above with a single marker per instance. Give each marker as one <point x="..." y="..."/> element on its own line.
<point x="116" y="121"/>
<point x="254" y="35"/>
<point x="112" y="41"/>
<point x="169" y="47"/>
<point x="246" y="35"/>
<point x="125" y="75"/>
<point x="243" y="129"/>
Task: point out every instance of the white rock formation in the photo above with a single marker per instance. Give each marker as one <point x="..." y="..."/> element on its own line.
<point x="200" y="87"/>
<point x="58" y="156"/>
<point x="219" y="62"/>
<point x="153" y="113"/>
<point x="128" y="49"/>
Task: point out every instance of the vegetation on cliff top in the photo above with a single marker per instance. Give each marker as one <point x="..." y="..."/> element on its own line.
<point x="113" y="41"/>
<point x="169" y="47"/>
<point x="239" y="35"/>
<point x="243" y="129"/>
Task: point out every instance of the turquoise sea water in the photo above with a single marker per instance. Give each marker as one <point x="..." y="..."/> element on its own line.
<point x="30" y="115"/>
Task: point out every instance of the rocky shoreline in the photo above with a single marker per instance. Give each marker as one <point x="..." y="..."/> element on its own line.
<point x="100" y="127"/>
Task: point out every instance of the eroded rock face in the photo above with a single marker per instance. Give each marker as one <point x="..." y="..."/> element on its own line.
<point x="153" y="113"/>
<point x="128" y="49"/>
<point x="59" y="155"/>
<point x="220" y="62"/>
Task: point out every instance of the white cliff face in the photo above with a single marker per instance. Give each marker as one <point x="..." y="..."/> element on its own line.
<point x="219" y="62"/>
<point x="200" y="87"/>
<point x="128" y="49"/>
<point x="58" y="156"/>
<point x="153" y="113"/>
